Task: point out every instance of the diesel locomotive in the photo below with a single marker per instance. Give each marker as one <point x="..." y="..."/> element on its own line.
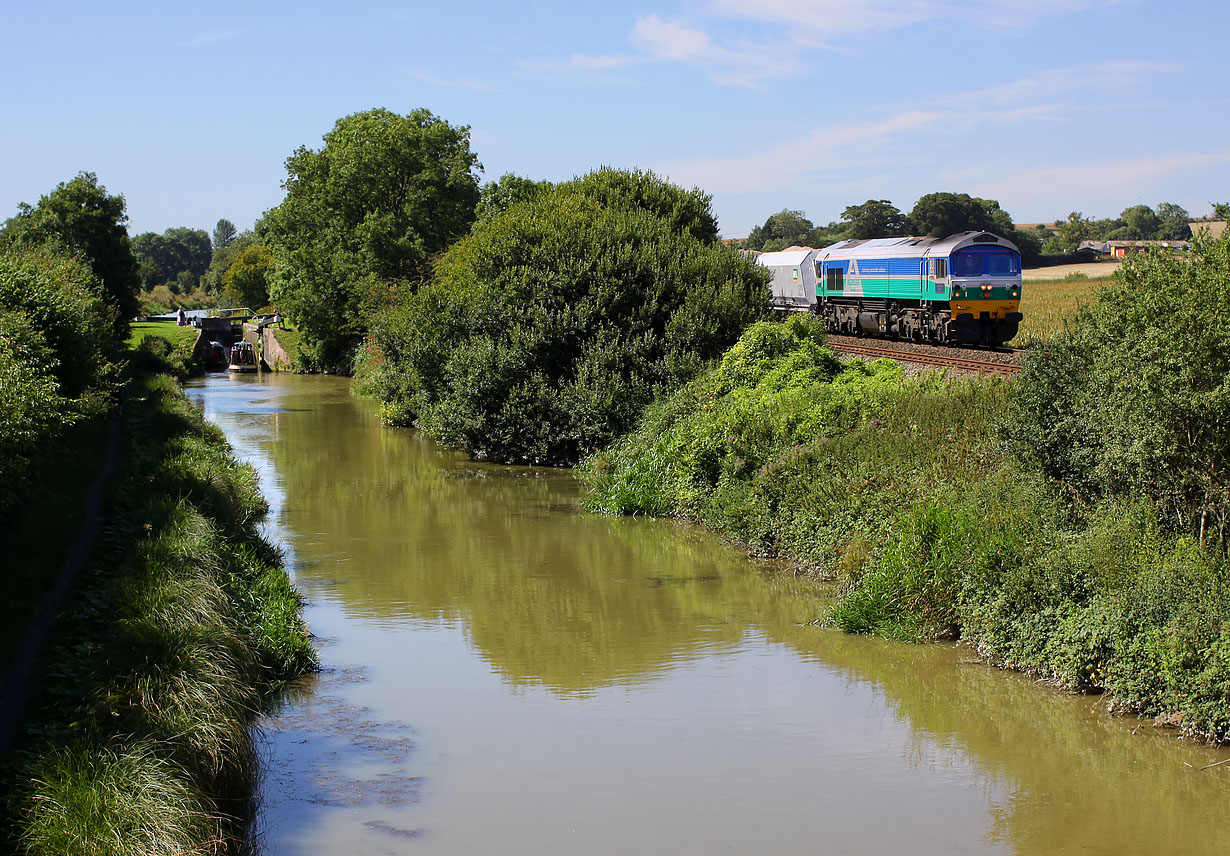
<point x="963" y="289"/>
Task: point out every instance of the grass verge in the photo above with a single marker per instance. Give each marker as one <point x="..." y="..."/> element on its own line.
<point x="183" y="624"/>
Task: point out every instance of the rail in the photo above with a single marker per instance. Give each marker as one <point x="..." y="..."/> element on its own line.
<point x="938" y="358"/>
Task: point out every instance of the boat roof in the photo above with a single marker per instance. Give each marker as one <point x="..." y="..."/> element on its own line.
<point x="884" y="248"/>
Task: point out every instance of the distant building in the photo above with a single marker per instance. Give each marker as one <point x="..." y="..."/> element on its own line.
<point x="1122" y="249"/>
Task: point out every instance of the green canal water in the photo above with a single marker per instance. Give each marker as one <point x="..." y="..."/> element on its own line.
<point x="504" y="673"/>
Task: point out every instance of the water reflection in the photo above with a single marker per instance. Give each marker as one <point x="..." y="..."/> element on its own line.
<point x="507" y="672"/>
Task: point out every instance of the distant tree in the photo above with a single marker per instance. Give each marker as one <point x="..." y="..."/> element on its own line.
<point x="943" y="214"/>
<point x="1071" y="232"/>
<point x="1221" y="210"/>
<point x="174" y="252"/>
<point x="81" y="217"/>
<point x="211" y="282"/>
<point x="509" y="189"/>
<point x="1140" y="223"/>
<point x="786" y="228"/>
<point x="1173" y="222"/>
<point x="362" y="216"/>
<point x="875" y="218"/>
<point x="246" y="281"/>
<point x="224" y="233"/>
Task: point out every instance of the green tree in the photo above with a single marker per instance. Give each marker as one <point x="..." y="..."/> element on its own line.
<point x="943" y="214"/>
<point x="786" y="228"/>
<point x="176" y="251"/>
<point x="689" y="211"/>
<point x="81" y="217"/>
<point x="246" y="281"/>
<point x="1173" y="222"/>
<point x="875" y="218"/>
<point x="362" y="216"/>
<point x="224" y="233"/>
<point x="548" y="330"/>
<point x="1140" y="223"/>
<point x="222" y="258"/>
<point x="509" y="189"/>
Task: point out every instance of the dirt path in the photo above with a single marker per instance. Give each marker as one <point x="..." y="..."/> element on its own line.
<point x="15" y="682"/>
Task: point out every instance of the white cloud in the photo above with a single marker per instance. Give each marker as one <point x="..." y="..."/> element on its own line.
<point x="742" y="63"/>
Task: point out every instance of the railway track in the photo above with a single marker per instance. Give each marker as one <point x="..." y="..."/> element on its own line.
<point x="938" y="357"/>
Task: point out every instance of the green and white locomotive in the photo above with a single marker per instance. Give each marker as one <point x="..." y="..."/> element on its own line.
<point x="963" y="289"/>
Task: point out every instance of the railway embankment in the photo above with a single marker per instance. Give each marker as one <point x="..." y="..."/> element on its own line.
<point x="1070" y="522"/>
<point x="182" y="624"/>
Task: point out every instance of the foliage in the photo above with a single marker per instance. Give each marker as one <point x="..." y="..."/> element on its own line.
<point x="687" y="211"/>
<point x="943" y="214"/>
<point x="224" y="232"/>
<point x="789" y="228"/>
<point x="221" y="260"/>
<point x="875" y="218"/>
<point x="1131" y="399"/>
<point x="55" y="359"/>
<point x="509" y="189"/>
<point x="186" y="621"/>
<point x="80" y="217"/>
<point x="365" y="213"/>
<point x="246" y="281"/>
<point x="547" y="331"/>
<point x="164" y="258"/>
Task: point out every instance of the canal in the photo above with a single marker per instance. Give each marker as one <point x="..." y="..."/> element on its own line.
<point x="503" y="672"/>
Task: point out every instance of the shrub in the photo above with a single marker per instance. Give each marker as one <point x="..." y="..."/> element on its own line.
<point x="550" y="328"/>
<point x="1131" y="399"/>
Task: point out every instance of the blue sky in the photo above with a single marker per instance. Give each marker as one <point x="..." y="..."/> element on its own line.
<point x="1048" y="106"/>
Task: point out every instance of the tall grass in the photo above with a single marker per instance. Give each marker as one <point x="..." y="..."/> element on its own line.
<point x="142" y="742"/>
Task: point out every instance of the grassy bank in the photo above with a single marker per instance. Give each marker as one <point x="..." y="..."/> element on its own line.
<point x="182" y="625"/>
<point x="906" y="492"/>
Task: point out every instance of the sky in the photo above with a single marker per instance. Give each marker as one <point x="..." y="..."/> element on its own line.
<point x="1049" y="106"/>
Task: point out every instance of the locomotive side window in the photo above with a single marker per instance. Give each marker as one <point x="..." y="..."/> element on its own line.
<point x="941" y="268"/>
<point x="836" y="279"/>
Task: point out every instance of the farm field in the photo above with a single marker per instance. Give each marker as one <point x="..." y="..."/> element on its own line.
<point x="1093" y="270"/>
<point x="1045" y="303"/>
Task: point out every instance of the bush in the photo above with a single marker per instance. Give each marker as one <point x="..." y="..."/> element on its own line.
<point x="1131" y="399"/>
<point x="548" y="330"/>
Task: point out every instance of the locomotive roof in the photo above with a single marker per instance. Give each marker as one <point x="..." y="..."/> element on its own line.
<point x="784" y="257"/>
<point x="883" y="248"/>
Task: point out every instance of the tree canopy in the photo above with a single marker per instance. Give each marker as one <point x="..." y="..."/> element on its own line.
<point x="509" y="189"/>
<point x="163" y="258"/>
<point x="246" y="281"/>
<point x="548" y="330"/>
<point x="363" y="215"/>
<point x="224" y="233"/>
<point x="875" y="218"/>
<point x="81" y="217"/>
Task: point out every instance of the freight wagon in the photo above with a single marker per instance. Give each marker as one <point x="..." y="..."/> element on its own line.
<point x="963" y="289"/>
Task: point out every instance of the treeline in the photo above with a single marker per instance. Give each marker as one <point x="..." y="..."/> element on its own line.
<point x="942" y="214"/>
<point x="149" y="273"/>
<point x="1072" y="523"/>
<point x="938" y="214"/>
